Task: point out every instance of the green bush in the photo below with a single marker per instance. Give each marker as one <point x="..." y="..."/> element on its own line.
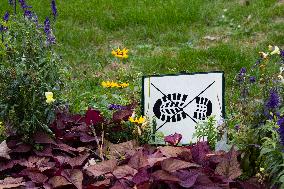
<point x="29" y="68"/>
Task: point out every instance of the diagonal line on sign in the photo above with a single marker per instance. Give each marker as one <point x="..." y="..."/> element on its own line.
<point x="181" y="109"/>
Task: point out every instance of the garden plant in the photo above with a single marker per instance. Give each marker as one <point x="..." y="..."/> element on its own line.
<point x="68" y="125"/>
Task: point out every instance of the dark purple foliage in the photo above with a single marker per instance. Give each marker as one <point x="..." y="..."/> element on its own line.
<point x="280" y="122"/>
<point x="199" y="151"/>
<point x="93" y="117"/>
<point x="273" y="101"/>
<point x="54" y="8"/>
<point x="173" y="139"/>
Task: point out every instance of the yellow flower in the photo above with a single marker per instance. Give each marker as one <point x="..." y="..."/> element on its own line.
<point x="261" y="169"/>
<point x="131" y="120"/>
<point x="120" y="53"/>
<point x="114" y="84"/>
<point x="263" y="55"/>
<point x="274" y="49"/>
<point x="49" y="97"/>
<point x="141" y="120"/>
<point x="123" y="85"/>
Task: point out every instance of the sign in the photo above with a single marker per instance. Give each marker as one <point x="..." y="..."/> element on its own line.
<point x="179" y="102"/>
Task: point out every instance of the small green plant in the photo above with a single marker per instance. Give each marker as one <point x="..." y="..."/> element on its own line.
<point x="207" y="131"/>
<point x="30" y="79"/>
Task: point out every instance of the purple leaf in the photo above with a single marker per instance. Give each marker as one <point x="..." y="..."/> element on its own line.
<point x="173" y="139"/>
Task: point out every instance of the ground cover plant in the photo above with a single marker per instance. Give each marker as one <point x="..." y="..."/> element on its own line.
<point x="79" y="125"/>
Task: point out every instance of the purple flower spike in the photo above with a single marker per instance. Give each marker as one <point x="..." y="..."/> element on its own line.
<point x="24" y="5"/>
<point x="280" y="122"/>
<point x="273" y="100"/>
<point x="54" y="8"/>
<point x="173" y="139"/>
<point x="6" y="17"/>
<point x="50" y="38"/>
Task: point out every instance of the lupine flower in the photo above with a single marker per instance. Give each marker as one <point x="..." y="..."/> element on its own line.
<point x="49" y="97"/>
<point x="280" y="122"/>
<point x="273" y="100"/>
<point x="274" y="50"/>
<point x="252" y="79"/>
<point x="54" y="8"/>
<point x="120" y="53"/>
<point x="173" y="139"/>
<point x="6" y="17"/>
<point x="116" y="107"/>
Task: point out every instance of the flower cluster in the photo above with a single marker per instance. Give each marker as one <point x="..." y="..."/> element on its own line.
<point x="122" y="54"/>
<point x="111" y="84"/>
<point x="54" y="8"/>
<point x="139" y="120"/>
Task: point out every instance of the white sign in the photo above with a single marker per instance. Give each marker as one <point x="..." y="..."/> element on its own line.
<point x="179" y="102"/>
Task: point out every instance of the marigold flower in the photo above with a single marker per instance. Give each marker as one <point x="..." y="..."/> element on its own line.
<point x="120" y="53"/>
<point x="49" y="97"/>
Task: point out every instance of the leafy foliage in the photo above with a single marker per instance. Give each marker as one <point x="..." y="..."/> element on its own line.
<point x="29" y="67"/>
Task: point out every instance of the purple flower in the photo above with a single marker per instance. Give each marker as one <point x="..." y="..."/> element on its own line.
<point x="173" y="139"/>
<point x="6" y="17"/>
<point x="243" y="71"/>
<point x="54" y="8"/>
<point x="237" y="127"/>
<point x="1" y="27"/>
<point x="282" y="54"/>
<point x="28" y="14"/>
<point x="24" y="5"/>
<point x="116" y="107"/>
<point x="280" y="122"/>
<point x="50" y="38"/>
<point x="252" y="79"/>
<point x="273" y="100"/>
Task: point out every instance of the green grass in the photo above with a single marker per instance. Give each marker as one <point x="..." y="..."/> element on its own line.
<point x="164" y="36"/>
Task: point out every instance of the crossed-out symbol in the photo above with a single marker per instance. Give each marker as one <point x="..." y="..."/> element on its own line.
<point x="182" y="108"/>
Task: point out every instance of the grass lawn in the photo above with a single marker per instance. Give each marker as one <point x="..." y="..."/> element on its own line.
<point x="163" y="36"/>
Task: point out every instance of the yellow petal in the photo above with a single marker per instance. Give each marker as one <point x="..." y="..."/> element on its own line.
<point x="131" y="119"/>
<point x="270" y="47"/>
<point x="275" y="51"/>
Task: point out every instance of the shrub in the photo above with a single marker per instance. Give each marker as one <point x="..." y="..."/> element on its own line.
<point x="29" y="67"/>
